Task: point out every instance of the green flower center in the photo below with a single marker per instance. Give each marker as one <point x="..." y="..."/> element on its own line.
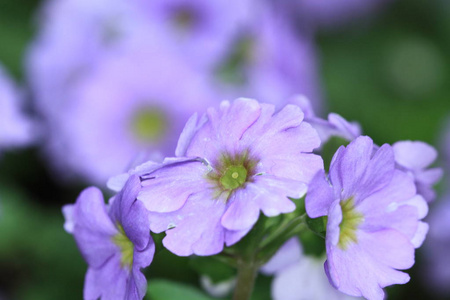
<point x="234" y="177"/>
<point x="232" y="172"/>
<point x="149" y="125"/>
<point x="351" y="219"/>
<point x="126" y="247"/>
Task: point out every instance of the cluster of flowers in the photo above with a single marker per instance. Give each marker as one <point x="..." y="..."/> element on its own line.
<point x="101" y="72"/>
<point x="244" y="158"/>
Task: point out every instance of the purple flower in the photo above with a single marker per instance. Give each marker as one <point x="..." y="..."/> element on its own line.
<point x="334" y="126"/>
<point x="74" y="38"/>
<point x="233" y="163"/>
<point x="414" y="157"/>
<point x="200" y="30"/>
<point x="115" y="242"/>
<point x="128" y="112"/>
<point x="15" y="128"/>
<point x="374" y="218"/>
<point x="299" y="277"/>
<point x="270" y="62"/>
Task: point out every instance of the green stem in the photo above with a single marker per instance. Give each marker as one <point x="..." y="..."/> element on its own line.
<point x="286" y="226"/>
<point x="247" y="271"/>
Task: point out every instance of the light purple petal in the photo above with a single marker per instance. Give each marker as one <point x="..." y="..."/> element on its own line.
<point x="190" y="129"/>
<point x="378" y="173"/>
<point x="414" y="155"/>
<point x="224" y="129"/>
<point x="273" y="193"/>
<point x="288" y="254"/>
<point x="131" y="213"/>
<point x="419" y="236"/>
<point x="243" y="211"/>
<point x="197" y="222"/>
<point x="268" y="194"/>
<point x="93" y="228"/>
<point x="353" y="164"/>
<point x="349" y="269"/>
<point x="305" y="279"/>
<point x="319" y="197"/>
<point x="430" y="176"/>
<point x="345" y="129"/>
<point x="109" y="281"/>
<point x="234" y="236"/>
<point x="168" y="188"/>
<point x="69" y="223"/>
<point x="334" y="220"/>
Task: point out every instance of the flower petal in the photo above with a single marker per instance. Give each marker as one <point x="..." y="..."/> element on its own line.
<point x="414" y="155"/>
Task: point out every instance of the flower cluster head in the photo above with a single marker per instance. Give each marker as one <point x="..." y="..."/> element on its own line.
<point x="374" y="219"/>
<point x="114" y="240"/>
<point x="231" y="164"/>
<point x="102" y="73"/>
<point x="245" y="158"/>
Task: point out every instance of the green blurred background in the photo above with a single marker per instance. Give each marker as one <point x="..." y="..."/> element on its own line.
<point x="390" y="73"/>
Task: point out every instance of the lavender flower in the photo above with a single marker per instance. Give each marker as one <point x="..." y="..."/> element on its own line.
<point x="373" y="219"/>
<point x="115" y="242"/>
<point x="269" y="61"/>
<point x="414" y="157"/>
<point x="299" y="277"/>
<point x="200" y="30"/>
<point x="233" y="163"/>
<point x="334" y="126"/>
<point x="75" y="37"/>
<point x="128" y="111"/>
<point x="15" y="128"/>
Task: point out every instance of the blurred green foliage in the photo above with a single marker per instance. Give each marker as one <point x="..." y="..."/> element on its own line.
<point x="391" y="74"/>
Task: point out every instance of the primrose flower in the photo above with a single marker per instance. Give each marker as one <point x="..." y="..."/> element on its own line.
<point x="270" y="61"/>
<point x="130" y="112"/>
<point x="15" y="128"/>
<point x="115" y="242"/>
<point x="75" y="37"/>
<point x="232" y="163"/>
<point x="374" y="218"/>
<point x="298" y="276"/>
<point x="201" y="30"/>
<point x="414" y="157"/>
<point x="335" y="125"/>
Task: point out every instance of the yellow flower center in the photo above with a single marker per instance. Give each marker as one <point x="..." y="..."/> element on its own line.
<point x="126" y="248"/>
<point x="149" y="125"/>
<point x="351" y="219"/>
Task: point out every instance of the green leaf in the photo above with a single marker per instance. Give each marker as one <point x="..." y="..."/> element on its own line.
<point x="312" y="244"/>
<point x="318" y="225"/>
<point x="160" y="289"/>
<point x="216" y="270"/>
<point x="330" y="148"/>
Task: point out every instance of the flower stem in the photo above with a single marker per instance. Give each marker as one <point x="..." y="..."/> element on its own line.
<point x="247" y="271"/>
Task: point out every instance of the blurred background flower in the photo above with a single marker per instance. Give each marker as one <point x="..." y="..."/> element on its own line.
<point x="91" y="88"/>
